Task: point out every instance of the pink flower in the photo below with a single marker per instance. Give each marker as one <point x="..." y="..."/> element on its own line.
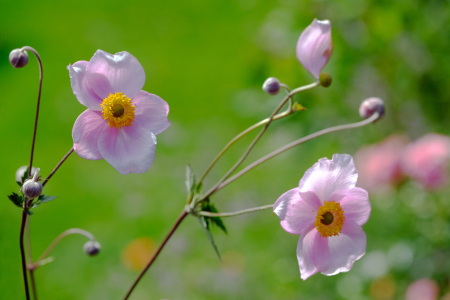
<point x="422" y="289"/>
<point x="314" y="47"/>
<point x="327" y="211"/>
<point x="121" y="121"/>
<point x="379" y="165"/>
<point x="426" y="160"/>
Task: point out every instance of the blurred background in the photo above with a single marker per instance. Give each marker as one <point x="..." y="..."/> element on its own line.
<point x="208" y="60"/>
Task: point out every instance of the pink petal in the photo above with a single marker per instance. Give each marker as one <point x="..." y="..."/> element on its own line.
<point x="330" y="180"/>
<point x="81" y="87"/>
<point x="314" y="47"/>
<point x="128" y="149"/>
<point x="344" y="249"/>
<point x="356" y="206"/>
<point x="294" y="213"/>
<point x="151" y="112"/>
<point x="306" y="252"/>
<point x="116" y="73"/>
<point x="86" y="132"/>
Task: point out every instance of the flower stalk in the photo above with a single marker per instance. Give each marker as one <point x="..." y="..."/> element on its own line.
<point x="236" y="213"/>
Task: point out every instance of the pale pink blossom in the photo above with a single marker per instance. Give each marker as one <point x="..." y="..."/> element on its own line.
<point x="121" y="121"/>
<point x="379" y="165"/>
<point x="426" y="160"/>
<point x="422" y="289"/>
<point x="327" y="211"/>
<point x="314" y="47"/>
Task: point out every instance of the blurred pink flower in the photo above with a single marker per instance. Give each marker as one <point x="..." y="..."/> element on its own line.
<point x="314" y="47"/>
<point x="121" y="120"/>
<point x="327" y="211"/>
<point x="379" y="165"/>
<point x="422" y="289"/>
<point x="426" y="160"/>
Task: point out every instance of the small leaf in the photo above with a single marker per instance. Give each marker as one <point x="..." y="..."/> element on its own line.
<point x="190" y="180"/>
<point x="217" y="220"/>
<point x="45" y="199"/>
<point x="298" y="107"/>
<point x="29" y="212"/>
<point x="199" y="188"/>
<point x="204" y="223"/>
<point x="16" y="199"/>
<point x="25" y="176"/>
<point x="19" y="183"/>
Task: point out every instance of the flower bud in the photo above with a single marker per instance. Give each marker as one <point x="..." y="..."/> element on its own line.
<point x="18" y="58"/>
<point x="92" y="248"/>
<point x="271" y="86"/>
<point x="325" y="79"/>
<point x="370" y="106"/>
<point x="314" y="47"/>
<point x="21" y="171"/>
<point x="32" y="187"/>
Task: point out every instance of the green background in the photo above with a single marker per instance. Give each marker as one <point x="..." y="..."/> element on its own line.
<point x="208" y="60"/>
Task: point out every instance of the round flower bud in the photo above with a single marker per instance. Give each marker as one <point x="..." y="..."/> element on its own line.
<point x="325" y="79"/>
<point x="32" y="187"/>
<point x="21" y="171"/>
<point x="92" y="248"/>
<point x="18" y="58"/>
<point x="370" y="106"/>
<point x="271" y="86"/>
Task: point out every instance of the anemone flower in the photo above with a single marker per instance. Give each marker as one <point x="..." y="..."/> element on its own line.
<point x="314" y="47"/>
<point x="426" y="160"/>
<point x="121" y="121"/>
<point x="327" y="211"/>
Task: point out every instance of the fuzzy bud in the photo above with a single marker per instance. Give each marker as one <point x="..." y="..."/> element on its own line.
<point x="92" y="248"/>
<point x="18" y="58"/>
<point x="370" y="106"/>
<point x="271" y="86"/>
<point x="32" y="187"/>
<point x="325" y="79"/>
<point x="21" y="171"/>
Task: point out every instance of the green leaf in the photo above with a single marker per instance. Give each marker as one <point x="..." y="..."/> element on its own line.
<point x="190" y="180"/>
<point x="217" y="220"/>
<point x="45" y="199"/>
<point x="205" y="226"/>
<point x="19" y="183"/>
<point x="25" y="176"/>
<point x="16" y="199"/>
<point x="209" y="207"/>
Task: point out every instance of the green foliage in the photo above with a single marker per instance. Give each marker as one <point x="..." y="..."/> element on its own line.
<point x="16" y="199"/>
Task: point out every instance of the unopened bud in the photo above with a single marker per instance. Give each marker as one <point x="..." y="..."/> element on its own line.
<point x="370" y="106"/>
<point x="21" y="171"/>
<point x="18" y="58"/>
<point x="32" y="187"/>
<point x="271" y="86"/>
<point x="325" y="79"/>
<point x="92" y="248"/>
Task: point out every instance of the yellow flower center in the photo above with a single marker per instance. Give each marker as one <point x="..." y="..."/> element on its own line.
<point x="330" y="219"/>
<point x="118" y="110"/>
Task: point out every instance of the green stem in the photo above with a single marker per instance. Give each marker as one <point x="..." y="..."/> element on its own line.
<point x="236" y="213"/>
<point x="373" y="118"/>
<point x="271" y="118"/>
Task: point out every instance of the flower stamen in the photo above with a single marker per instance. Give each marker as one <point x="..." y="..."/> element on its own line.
<point x="330" y="219"/>
<point x="118" y="110"/>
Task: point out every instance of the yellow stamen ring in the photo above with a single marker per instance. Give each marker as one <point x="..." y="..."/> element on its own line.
<point x="118" y="110"/>
<point x="330" y="219"/>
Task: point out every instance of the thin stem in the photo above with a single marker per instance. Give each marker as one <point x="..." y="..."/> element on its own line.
<point x="57" y="166"/>
<point x="22" y="253"/>
<point x="59" y="238"/>
<point x="41" y="73"/>
<point x="271" y="118"/>
<point x="175" y="226"/>
<point x="236" y="213"/>
<point x="373" y="118"/>
<point x="236" y="138"/>
<point x="33" y="284"/>
<point x="29" y="258"/>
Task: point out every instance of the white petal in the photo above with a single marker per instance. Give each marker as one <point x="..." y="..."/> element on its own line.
<point x="330" y="180"/>
<point x="80" y="86"/>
